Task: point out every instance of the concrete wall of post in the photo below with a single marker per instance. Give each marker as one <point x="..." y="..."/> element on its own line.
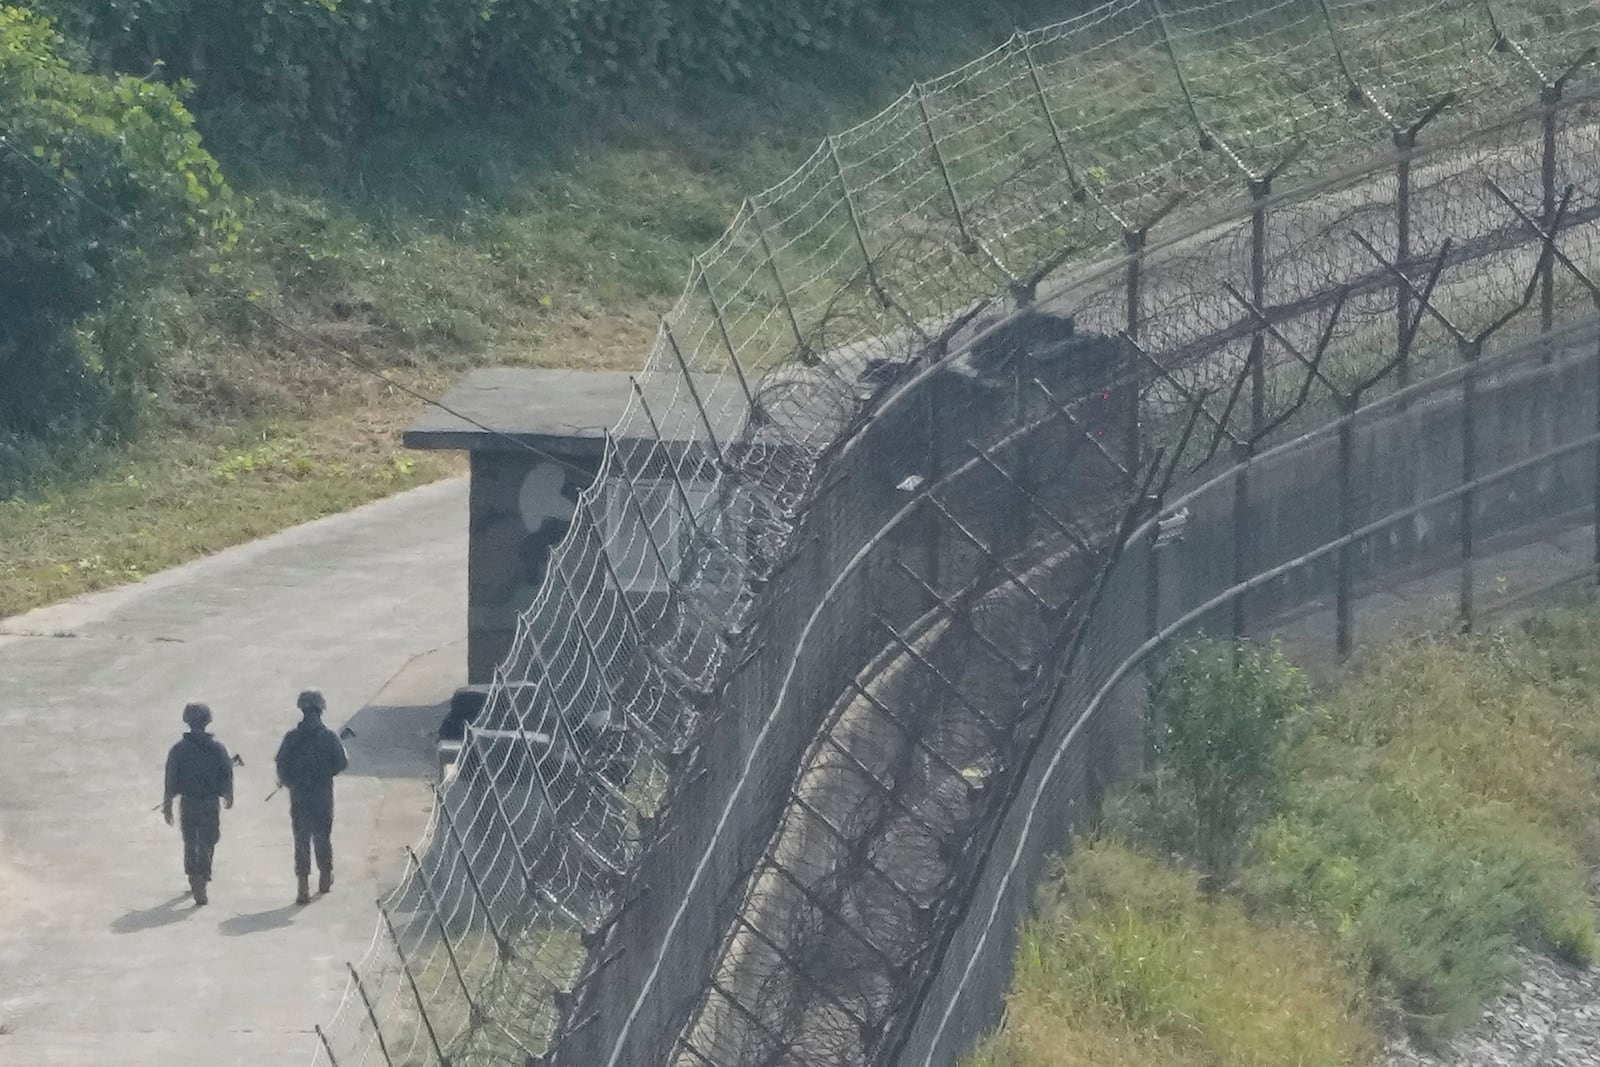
<point x="520" y="506"/>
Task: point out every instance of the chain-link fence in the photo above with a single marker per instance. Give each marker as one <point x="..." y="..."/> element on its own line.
<point x="1299" y="292"/>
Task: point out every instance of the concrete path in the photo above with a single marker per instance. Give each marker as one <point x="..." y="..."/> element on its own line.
<point x="103" y="961"/>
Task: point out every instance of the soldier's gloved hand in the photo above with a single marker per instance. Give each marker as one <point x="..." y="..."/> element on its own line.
<point x="166" y="813"/>
<point x="227" y="802"/>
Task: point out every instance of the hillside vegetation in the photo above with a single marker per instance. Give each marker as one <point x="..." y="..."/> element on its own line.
<point x="334" y="187"/>
<point x="283" y="220"/>
<point x="1403" y="835"/>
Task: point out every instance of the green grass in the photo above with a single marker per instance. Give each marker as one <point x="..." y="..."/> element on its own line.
<point x="1128" y="965"/>
<point x="177" y="497"/>
<point x="1433" y="814"/>
<point x="1443" y="810"/>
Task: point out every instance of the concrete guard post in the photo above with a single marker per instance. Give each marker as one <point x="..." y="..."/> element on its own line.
<point x="534" y="439"/>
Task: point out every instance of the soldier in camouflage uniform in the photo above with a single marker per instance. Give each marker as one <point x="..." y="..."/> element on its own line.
<point x="199" y="771"/>
<point x="309" y="758"/>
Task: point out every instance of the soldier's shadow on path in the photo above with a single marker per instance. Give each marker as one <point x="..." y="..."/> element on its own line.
<point x="163" y="914"/>
<point x="260" y="921"/>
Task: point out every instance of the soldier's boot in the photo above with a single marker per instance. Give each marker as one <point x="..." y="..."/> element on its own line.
<point x="197" y="886"/>
<point x="324" y="881"/>
<point x="303" y="896"/>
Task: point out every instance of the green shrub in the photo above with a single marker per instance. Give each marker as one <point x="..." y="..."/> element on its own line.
<point x="1425" y="819"/>
<point x="1220" y="716"/>
<point x="103" y="187"/>
<point x="1441" y="811"/>
<point x="1431" y="914"/>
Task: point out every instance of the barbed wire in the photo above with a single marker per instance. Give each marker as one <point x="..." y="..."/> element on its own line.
<point x="736" y="789"/>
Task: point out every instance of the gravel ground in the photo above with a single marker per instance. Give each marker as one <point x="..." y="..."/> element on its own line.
<point x="1549" y="1018"/>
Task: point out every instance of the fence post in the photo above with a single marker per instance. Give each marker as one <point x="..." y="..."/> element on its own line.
<point x="667" y="457"/>
<point x="967" y="243"/>
<point x="1152" y="592"/>
<point x="528" y="878"/>
<point x="1134" y="239"/>
<point x="1547" y="478"/>
<point x="511" y="838"/>
<point x="855" y="222"/>
<point x="722" y="323"/>
<point x="1346" y="559"/>
<point x="630" y="615"/>
<point x="327" y="1046"/>
<point x="1405" y="140"/>
<point x="1549" y="98"/>
<point x="1597" y="457"/>
<point x="1243" y="455"/>
<point x="1079" y="192"/>
<point x="1152" y="626"/>
<point x="802" y="350"/>
<point x="613" y="690"/>
<point x="560" y="727"/>
<point x="646" y="526"/>
<point x="1469" y="466"/>
<point x="372" y="1016"/>
<point x="474" y="1012"/>
<point x="694" y="395"/>
<point x="1259" y="188"/>
<point x="543" y="787"/>
<point x="1402" y="253"/>
<point x="416" y="994"/>
<point x="501" y="941"/>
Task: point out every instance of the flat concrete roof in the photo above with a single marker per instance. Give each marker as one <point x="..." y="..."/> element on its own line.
<point x="566" y="411"/>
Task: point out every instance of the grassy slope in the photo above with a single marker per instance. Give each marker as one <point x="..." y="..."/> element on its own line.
<point x="552" y="239"/>
<point x="1129" y="966"/>
<point x="1439" y="810"/>
<point x="1444" y="809"/>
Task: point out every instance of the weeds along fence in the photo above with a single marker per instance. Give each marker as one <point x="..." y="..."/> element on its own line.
<point x="764" y="777"/>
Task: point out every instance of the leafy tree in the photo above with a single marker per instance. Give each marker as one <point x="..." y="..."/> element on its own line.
<point x="336" y="69"/>
<point x="1221" y="715"/>
<point x="104" y="187"/>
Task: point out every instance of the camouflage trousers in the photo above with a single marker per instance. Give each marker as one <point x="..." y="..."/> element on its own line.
<point x="311" y="818"/>
<point x="200" y="819"/>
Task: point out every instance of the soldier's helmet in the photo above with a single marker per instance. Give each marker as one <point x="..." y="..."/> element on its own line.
<point x="311" y="700"/>
<point x="196" y="715"/>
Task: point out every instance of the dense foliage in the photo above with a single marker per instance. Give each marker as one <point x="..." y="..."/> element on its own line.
<point x="1443" y="810"/>
<point x="348" y="66"/>
<point x="1426" y="818"/>
<point x="1221" y="715"/>
<point x="103" y="181"/>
